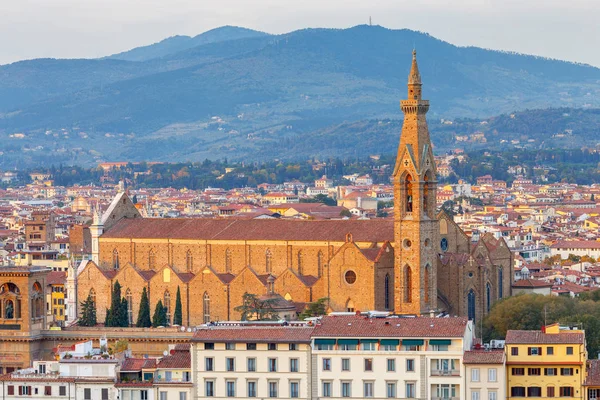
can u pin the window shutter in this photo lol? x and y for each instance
(529, 351)
(11, 390)
(539, 351)
(20, 390)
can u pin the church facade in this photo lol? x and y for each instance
(417, 263)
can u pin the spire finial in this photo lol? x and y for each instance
(414, 77)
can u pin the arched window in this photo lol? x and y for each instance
(37, 299)
(189, 261)
(471, 305)
(350, 305)
(426, 284)
(93, 296)
(425, 193)
(10, 301)
(488, 296)
(300, 263)
(268, 261)
(115, 259)
(407, 287)
(151, 259)
(206, 308)
(9, 309)
(500, 282)
(227, 260)
(386, 289)
(129, 299)
(319, 264)
(408, 192)
(167, 305)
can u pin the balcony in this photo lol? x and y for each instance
(445, 398)
(445, 372)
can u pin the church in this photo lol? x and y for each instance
(417, 263)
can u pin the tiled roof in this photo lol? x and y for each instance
(484, 357)
(132, 364)
(237, 229)
(531, 283)
(254, 334)
(593, 373)
(177, 359)
(576, 244)
(56, 278)
(360, 326)
(538, 337)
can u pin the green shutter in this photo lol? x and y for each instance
(325, 341)
(369, 340)
(390, 342)
(440, 342)
(412, 342)
(348, 341)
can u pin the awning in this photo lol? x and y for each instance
(325, 341)
(369, 340)
(440, 342)
(390, 342)
(348, 341)
(412, 342)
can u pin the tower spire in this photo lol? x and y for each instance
(414, 77)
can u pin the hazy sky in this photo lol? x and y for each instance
(564, 29)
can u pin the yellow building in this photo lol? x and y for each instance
(546, 364)
(56, 289)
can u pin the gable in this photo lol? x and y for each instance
(121, 207)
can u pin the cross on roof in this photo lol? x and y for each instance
(406, 163)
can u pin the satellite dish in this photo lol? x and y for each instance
(189, 329)
(183, 329)
(165, 353)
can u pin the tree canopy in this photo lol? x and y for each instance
(253, 308)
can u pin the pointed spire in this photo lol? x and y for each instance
(414, 77)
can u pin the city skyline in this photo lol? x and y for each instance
(69, 29)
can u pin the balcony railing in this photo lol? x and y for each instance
(445, 372)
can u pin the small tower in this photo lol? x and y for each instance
(416, 228)
(96, 229)
(72, 290)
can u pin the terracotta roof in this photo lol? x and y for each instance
(538, 337)
(177, 359)
(576, 244)
(531, 283)
(56, 278)
(240, 229)
(134, 384)
(360, 326)
(593, 373)
(132, 364)
(226, 278)
(254, 334)
(484, 357)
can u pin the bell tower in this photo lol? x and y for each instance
(416, 228)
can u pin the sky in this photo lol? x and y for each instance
(562, 29)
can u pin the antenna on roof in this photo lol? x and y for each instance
(370, 22)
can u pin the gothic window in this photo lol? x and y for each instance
(500, 282)
(319, 264)
(407, 288)
(350, 305)
(227, 260)
(206, 306)
(426, 284)
(93, 296)
(10, 301)
(115, 259)
(408, 192)
(471, 305)
(129, 299)
(268, 261)
(167, 305)
(151, 259)
(37, 299)
(386, 292)
(488, 296)
(189, 261)
(426, 194)
(300, 261)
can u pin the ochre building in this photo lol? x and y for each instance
(418, 262)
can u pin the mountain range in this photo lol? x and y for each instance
(239, 93)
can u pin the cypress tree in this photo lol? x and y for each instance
(115, 318)
(177, 316)
(143, 320)
(124, 313)
(88, 312)
(160, 315)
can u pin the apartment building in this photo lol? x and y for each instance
(358, 357)
(546, 364)
(247, 361)
(485, 374)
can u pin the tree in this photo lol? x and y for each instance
(88, 312)
(345, 213)
(117, 314)
(177, 315)
(160, 315)
(253, 308)
(315, 309)
(143, 320)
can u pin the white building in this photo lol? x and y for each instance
(485, 374)
(577, 247)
